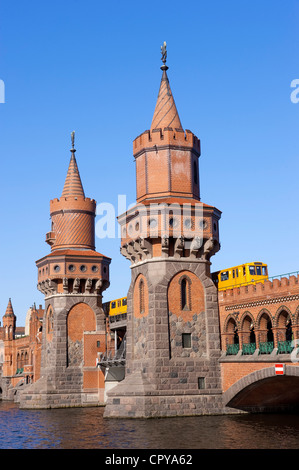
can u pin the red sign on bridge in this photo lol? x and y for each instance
(279, 369)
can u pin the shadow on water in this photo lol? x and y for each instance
(85, 428)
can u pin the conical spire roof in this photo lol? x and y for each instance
(73, 185)
(166, 114)
(9, 310)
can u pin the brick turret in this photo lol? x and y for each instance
(9, 322)
(166, 155)
(72, 278)
(72, 215)
(73, 265)
(169, 236)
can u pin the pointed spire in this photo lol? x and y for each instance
(73, 185)
(166, 114)
(9, 310)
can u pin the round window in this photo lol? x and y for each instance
(56, 268)
(72, 268)
(94, 269)
(83, 268)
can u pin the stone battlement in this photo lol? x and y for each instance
(166, 136)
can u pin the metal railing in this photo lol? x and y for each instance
(248, 348)
(232, 349)
(283, 347)
(266, 347)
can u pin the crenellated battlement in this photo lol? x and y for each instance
(72, 203)
(267, 288)
(166, 136)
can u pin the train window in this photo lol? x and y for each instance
(244, 271)
(224, 276)
(124, 301)
(252, 270)
(237, 272)
(119, 303)
(233, 274)
(113, 304)
(264, 268)
(259, 270)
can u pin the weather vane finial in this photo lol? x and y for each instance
(73, 141)
(164, 56)
(164, 53)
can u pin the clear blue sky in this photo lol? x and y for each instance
(94, 67)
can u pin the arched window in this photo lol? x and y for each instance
(185, 294)
(141, 296)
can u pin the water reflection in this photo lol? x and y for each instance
(85, 428)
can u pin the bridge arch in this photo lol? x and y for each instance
(264, 391)
(281, 316)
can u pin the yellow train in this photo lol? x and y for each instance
(116, 307)
(242, 275)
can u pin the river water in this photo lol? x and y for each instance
(85, 428)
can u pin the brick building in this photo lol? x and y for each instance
(20, 353)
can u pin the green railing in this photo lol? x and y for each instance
(285, 347)
(20, 371)
(232, 349)
(248, 348)
(266, 348)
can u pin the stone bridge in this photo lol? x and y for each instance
(260, 329)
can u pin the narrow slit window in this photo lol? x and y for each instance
(141, 296)
(184, 294)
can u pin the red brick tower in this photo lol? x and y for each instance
(72, 278)
(173, 340)
(9, 327)
(9, 322)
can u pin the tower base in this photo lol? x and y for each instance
(136, 397)
(43, 394)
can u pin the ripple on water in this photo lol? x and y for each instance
(85, 428)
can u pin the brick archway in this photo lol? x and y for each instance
(263, 390)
